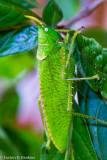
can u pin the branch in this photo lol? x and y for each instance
(83, 13)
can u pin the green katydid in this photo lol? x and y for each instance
(56, 92)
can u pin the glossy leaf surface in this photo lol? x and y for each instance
(11, 14)
(93, 105)
(52, 14)
(18, 41)
(24, 3)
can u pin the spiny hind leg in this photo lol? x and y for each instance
(70, 30)
(77, 114)
(69, 61)
(83, 78)
(69, 66)
(48, 143)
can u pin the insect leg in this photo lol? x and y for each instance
(69, 66)
(71, 50)
(89, 117)
(48, 143)
(69, 53)
(69, 30)
(71, 46)
(69, 151)
(83, 78)
(35, 19)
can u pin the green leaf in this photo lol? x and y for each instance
(52, 14)
(90, 62)
(11, 14)
(82, 143)
(19, 143)
(93, 105)
(6, 146)
(24, 3)
(99, 34)
(25, 141)
(102, 130)
(19, 41)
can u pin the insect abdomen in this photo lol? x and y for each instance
(54, 94)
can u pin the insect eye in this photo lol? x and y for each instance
(46, 29)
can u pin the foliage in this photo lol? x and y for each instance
(49, 16)
(19, 36)
(18, 41)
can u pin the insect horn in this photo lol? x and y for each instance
(35, 19)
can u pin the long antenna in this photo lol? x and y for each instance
(38, 21)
